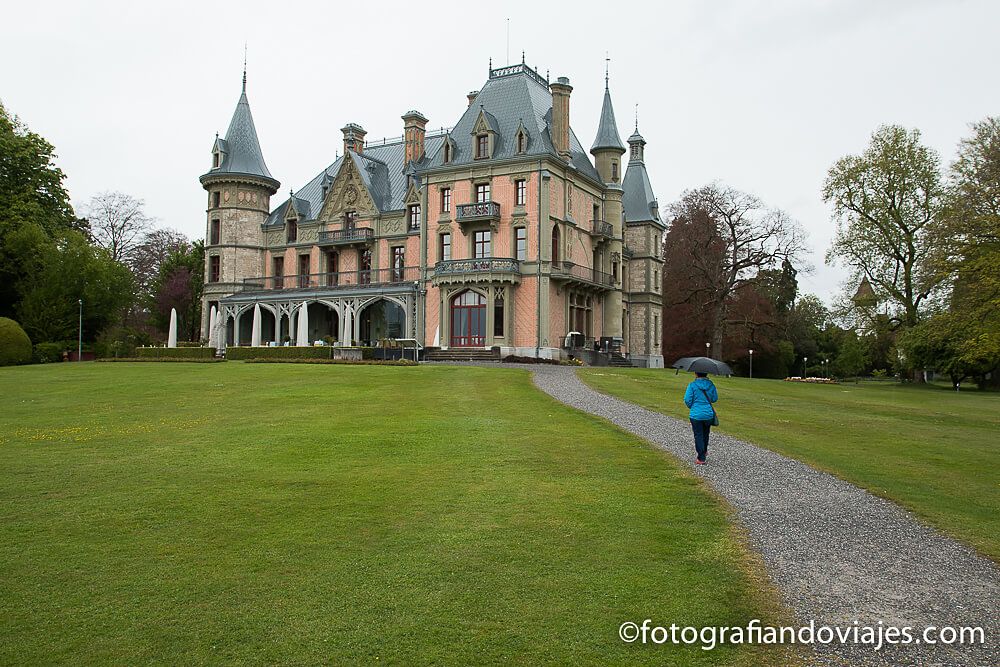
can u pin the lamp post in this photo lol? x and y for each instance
(826, 362)
(751, 364)
(805, 360)
(79, 335)
(708, 350)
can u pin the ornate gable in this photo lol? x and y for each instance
(347, 192)
(412, 195)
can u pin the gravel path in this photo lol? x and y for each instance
(838, 554)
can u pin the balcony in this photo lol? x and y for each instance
(484, 270)
(351, 236)
(333, 281)
(568, 272)
(603, 230)
(488, 211)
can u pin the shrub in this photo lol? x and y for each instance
(15, 346)
(119, 342)
(244, 353)
(186, 360)
(512, 359)
(48, 353)
(146, 353)
(343, 362)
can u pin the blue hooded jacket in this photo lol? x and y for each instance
(694, 398)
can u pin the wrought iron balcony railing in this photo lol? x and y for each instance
(338, 280)
(486, 264)
(347, 236)
(605, 229)
(488, 210)
(571, 271)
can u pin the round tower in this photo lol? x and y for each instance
(239, 188)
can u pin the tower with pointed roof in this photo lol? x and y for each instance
(607, 151)
(644, 237)
(239, 188)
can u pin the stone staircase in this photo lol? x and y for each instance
(462, 354)
(618, 361)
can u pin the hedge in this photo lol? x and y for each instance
(312, 352)
(175, 352)
(188, 360)
(343, 362)
(15, 346)
(48, 353)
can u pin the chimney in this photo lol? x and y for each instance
(472, 96)
(354, 138)
(414, 128)
(560, 115)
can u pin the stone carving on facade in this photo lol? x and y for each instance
(347, 193)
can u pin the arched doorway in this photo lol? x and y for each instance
(381, 319)
(468, 320)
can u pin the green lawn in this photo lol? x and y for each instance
(934, 451)
(270, 513)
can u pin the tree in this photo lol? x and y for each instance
(179, 285)
(34, 206)
(887, 202)
(69, 270)
(118, 223)
(726, 237)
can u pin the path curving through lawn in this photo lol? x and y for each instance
(838, 554)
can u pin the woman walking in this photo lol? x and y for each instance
(700, 395)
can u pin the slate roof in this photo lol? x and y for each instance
(381, 169)
(519, 98)
(607, 130)
(242, 154)
(638, 200)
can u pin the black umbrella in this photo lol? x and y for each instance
(702, 365)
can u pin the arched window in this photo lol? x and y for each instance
(468, 320)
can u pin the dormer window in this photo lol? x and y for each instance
(447, 151)
(216, 160)
(482, 146)
(413, 215)
(521, 139)
(292, 227)
(520, 143)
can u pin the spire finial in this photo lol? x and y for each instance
(637, 117)
(522, 56)
(607, 66)
(244, 68)
(491, 63)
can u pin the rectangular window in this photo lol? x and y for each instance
(445, 200)
(278, 270)
(214, 269)
(215, 232)
(521, 243)
(482, 193)
(656, 328)
(444, 251)
(498, 317)
(216, 197)
(215, 160)
(292, 227)
(303, 270)
(481, 245)
(349, 219)
(597, 212)
(398, 262)
(520, 192)
(414, 217)
(614, 172)
(364, 266)
(482, 146)
(332, 269)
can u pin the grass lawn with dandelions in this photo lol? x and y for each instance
(268, 513)
(932, 450)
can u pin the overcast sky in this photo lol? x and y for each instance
(763, 96)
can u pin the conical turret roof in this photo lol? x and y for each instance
(607, 129)
(241, 148)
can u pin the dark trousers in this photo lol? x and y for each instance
(701, 428)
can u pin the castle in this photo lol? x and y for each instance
(499, 235)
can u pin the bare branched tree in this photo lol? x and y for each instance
(725, 237)
(117, 222)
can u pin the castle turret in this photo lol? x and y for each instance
(607, 151)
(239, 188)
(644, 237)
